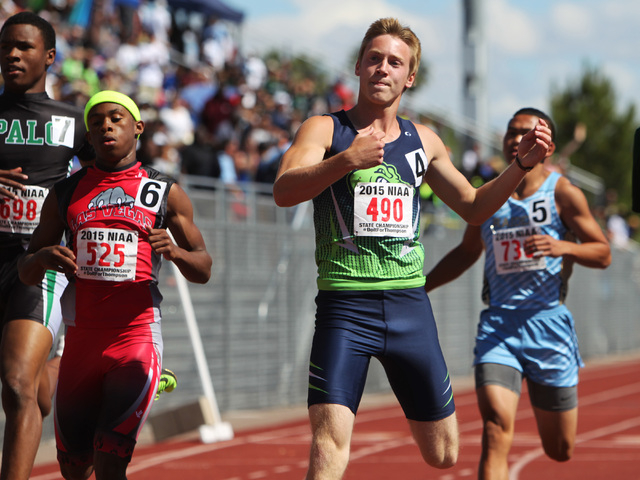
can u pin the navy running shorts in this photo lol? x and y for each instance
(396, 327)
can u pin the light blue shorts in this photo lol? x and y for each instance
(543, 345)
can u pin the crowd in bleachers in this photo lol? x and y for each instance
(209, 108)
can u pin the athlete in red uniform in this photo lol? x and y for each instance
(115, 216)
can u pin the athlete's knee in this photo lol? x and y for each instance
(327, 459)
(445, 458)
(74, 466)
(559, 456)
(327, 449)
(561, 450)
(108, 466)
(329, 455)
(443, 452)
(18, 389)
(44, 401)
(76, 472)
(496, 434)
(494, 428)
(438, 441)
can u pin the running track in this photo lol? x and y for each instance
(382, 448)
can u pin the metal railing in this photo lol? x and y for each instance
(256, 315)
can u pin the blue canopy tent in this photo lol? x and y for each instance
(214, 8)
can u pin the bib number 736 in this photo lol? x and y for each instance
(509, 254)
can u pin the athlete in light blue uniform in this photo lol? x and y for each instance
(362, 168)
(527, 331)
(539, 338)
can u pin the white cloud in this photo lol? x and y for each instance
(509, 28)
(625, 79)
(617, 10)
(573, 20)
(530, 45)
(332, 29)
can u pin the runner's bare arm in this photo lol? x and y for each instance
(475, 205)
(190, 254)
(593, 249)
(45, 252)
(458, 260)
(304, 172)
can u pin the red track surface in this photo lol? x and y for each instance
(382, 448)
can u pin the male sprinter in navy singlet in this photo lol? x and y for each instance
(527, 331)
(362, 169)
(39, 138)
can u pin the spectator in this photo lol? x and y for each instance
(471, 160)
(199, 158)
(156, 19)
(217, 114)
(270, 158)
(177, 120)
(618, 232)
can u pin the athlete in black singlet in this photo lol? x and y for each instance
(39, 138)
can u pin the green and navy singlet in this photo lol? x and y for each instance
(367, 223)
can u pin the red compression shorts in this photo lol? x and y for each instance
(106, 387)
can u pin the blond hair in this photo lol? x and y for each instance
(391, 26)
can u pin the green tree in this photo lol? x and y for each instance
(606, 152)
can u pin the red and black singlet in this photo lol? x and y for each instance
(106, 215)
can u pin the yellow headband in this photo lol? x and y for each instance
(109, 96)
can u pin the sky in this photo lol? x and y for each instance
(532, 48)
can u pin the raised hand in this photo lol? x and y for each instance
(534, 144)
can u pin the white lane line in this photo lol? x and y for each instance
(150, 460)
(527, 458)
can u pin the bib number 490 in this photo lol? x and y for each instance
(387, 209)
(383, 210)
